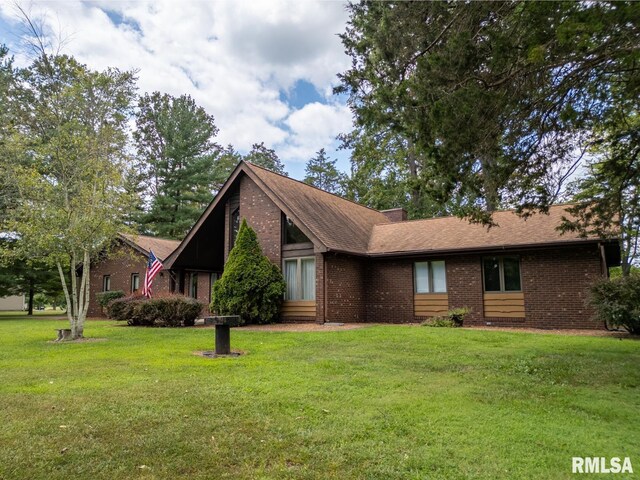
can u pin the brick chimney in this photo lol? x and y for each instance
(395, 214)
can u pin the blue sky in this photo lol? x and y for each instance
(265, 70)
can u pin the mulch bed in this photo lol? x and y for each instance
(544, 331)
(212, 354)
(314, 327)
(303, 327)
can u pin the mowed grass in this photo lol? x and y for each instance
(384, 402)
(49, 312)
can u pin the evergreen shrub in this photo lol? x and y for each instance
(250, 286)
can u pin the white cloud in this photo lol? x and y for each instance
(233, 57)
(313, 127)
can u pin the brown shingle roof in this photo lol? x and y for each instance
(337, 223)
(161, 247)
(451, 233)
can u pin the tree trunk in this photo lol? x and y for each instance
(489, 183)
(31, 294)
(67, 297)
(625, 266)
(415, 194)
(83, 297)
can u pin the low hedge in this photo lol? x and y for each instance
(104, 298)
(167, 311)
(122, 308)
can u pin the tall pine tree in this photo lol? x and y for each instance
(492, 98)
(265, 157)
(177, 152)
(322, 173)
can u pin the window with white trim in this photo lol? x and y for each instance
(300, 276)
(430, 277)
(135, 282)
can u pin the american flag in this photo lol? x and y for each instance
(153, 267)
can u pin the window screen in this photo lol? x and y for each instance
(308, 277)
(430, 277)
(291, 277)
(422, 277)
(511, 268)
(492, 274)
(439, 277)
(300, 275)
(501, 274)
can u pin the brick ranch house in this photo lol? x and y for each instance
(123, 268)
(344, 262)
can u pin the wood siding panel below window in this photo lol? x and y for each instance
(298, 308)
(504, 305)
(430, 304)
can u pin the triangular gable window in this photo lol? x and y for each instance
(292, 234)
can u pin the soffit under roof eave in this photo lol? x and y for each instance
(171, 259)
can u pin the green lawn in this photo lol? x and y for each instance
(49, 312)
(386, 402)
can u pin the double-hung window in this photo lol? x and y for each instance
(501, 274)
(300, 276)
(135, 282)
(106, 283)
(430, 277)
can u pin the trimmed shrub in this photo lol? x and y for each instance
(617, 302)
(250, 286)
(453, 318)
(122, 308)
(169, 311)
(105, 297)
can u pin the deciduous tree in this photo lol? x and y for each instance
(71, 201)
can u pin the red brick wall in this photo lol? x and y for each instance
(263, 216)
(396, 214)
(345, 290)
(464, 285)
(320, 286)
(389, 286)
(556, 283)
(556, 286)
(204, 289)
(121, 263)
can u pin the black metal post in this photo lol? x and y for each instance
(223, 340)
